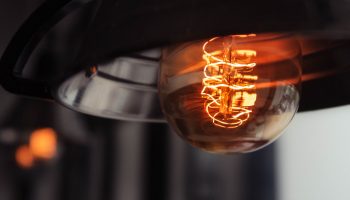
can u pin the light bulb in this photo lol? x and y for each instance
(231, 94)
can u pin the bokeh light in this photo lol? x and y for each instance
(24, 157)
(43, 143)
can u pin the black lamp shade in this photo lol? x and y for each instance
(123, 28)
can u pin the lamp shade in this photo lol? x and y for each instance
(115, 72)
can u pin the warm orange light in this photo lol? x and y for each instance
(231, 94)
(24, 157)
(43, 143)
(228, 84)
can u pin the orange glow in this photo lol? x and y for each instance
(24, 157)
(43, 143)
(246, 35)
(227, 84)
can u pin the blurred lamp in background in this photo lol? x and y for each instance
(24, 157)
(43, 143)
(42, 146)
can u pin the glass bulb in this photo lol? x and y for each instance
(231, 94)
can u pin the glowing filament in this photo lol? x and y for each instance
(228, 88)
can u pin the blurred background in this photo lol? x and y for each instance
(48, 152)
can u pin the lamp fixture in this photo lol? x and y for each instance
(223, 87)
